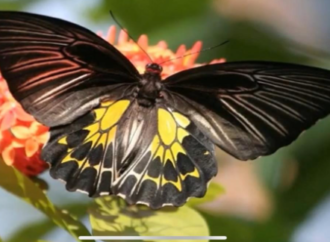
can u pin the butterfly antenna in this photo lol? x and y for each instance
(122, 28)
(197, 52)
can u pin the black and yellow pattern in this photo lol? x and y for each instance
(168, 166)
(116, 131)
(177, 164)
(82, 153)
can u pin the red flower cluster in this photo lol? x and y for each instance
(21, 137)
(159, 53)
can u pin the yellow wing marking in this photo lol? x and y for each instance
(168, 156)
(194, 173)
(171, 127)
(92, 139)
(112, 134)
(182, 134)
(63, 141)
(68, 157)
(154, 144)
(99, 113)
(106, 116)
(181, 120)
(106, 103)
(176, 149)
(154, 179)
(114, 113)
(176, 183)
(160, 153)
(166, 126)
(102, 140)
(93, 129)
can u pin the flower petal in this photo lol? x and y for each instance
(21, 132)
(31, 147)
(5, 108)
(162, 44)
(143, 41)
(34, 127)
(123, 37)
(8, 155)
(190, 59)
(22, 115)
(180, 51)
(221, 60)
(5, 139)
(43, 138)
(111, 36)
(8, 121)
(17, 143)
(29, 166)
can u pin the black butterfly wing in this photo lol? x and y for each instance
(102, 142)
(174, 161)
(58, 70)
(154, 156)
(250, 109)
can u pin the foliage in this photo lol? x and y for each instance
(213, 191)
(107, 215)
(17, 5)
(111, 216)
(39, 229)
(18, 184)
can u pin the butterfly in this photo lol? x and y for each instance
(114, 131)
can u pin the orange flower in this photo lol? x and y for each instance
(22, 137)
(159, 53)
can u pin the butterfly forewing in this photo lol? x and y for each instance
(250, 109)
(56, 69)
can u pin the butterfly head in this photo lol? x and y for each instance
(150, 86)
(153, 68)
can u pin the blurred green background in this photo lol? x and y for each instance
(280, 198)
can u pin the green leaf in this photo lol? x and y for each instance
(112, 217)
(213, 191)
(18, 184)
(35, 230)
(1, 240)
(40, 228)
(17, 5)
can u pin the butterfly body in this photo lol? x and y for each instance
(114, 131)
(150, 86)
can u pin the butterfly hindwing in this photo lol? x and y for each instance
(175, 162)
(83, 153)
(153, 156)
(56, 69)
(250, 109)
